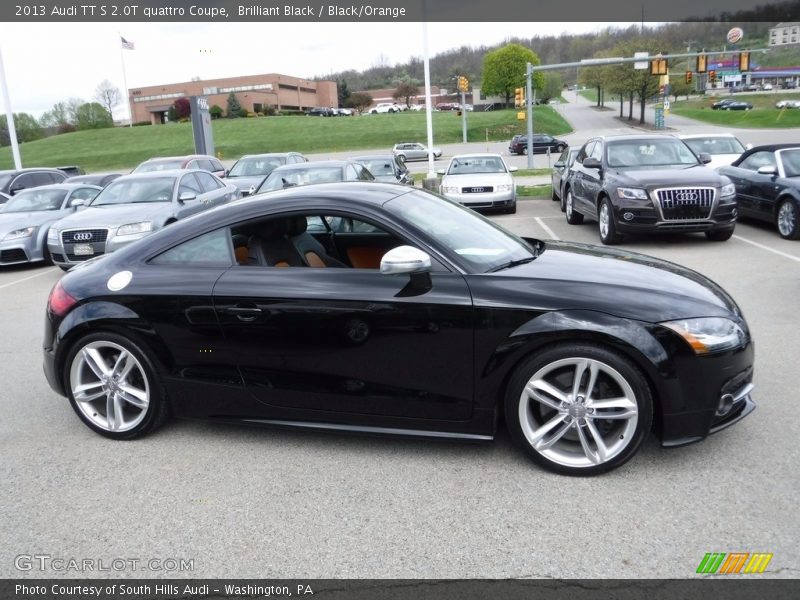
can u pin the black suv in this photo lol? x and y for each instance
(541, 143)
(12, 182)
(321, 111)
(647, 183)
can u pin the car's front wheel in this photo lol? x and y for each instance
(579, 409)
(606, 224)
(113, 386)
(573, 217)
(787, 220)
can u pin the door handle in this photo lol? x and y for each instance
(244, 313)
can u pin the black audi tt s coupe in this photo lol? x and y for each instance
(379, 308)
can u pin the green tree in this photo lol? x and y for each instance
(26, 127)
(215, 111)
(406, 91)
(505, 69)
(636, 83)
(56, 117)
(679, 87)
(552, 86)
(234, 108)
(343, 92)
(92, 115)
(359, 100)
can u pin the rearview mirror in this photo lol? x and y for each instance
(440, 171)
(513, 169)
(768, 170)
(592, 163)
(748, 146)
(405, 260)
(559, 164)
(76, 202)
(704, 157)
(184, 196)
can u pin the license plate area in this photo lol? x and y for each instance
(83, 250)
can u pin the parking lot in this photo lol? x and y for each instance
(262, 503)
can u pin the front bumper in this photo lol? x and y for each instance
(62, 256)
(632, 216)
(484, 200)
(19, 251)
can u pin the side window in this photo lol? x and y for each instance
(83, 194)
(56, 177)
(189, 185)
(585, 151)
(192, 164)
(364, 174)
(42, 178)
(757, 160)
(352, 174)
(209, 250)
(597, 151)
(216, 166)
(24, 181)
(207, 182)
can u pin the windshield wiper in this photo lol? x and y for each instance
(513, 263)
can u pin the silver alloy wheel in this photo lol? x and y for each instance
(578, 412)
(109, 386)
(787, 218)
(603, 220)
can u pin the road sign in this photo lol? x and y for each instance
(643, 64)
(735, 35)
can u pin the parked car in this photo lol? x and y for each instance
(344, 112)
(767, 87)
(16, 180)
(720, 104)
(250, 170)
(385, 107)
(101, 179)
(767, 180)
(387, 168)
(133, 207)
(3, 199)
(72, 170)
(480, 181)
(322, 171)
(753, 87)
(26, 218)
(451, 322)
(414, 151)
(321, 111)
(787, 104)
(562, 169)
(513, 141)
(541, 143)
(737, 106)
(723, 148)
(648, 184)
(193, 161)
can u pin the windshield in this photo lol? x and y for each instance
(35, 200)
(476, 164)
(665, 152)
(159, 165)
(4, 179)
(715, 145)
(292, 177)
(478, 243)
(133, 191)
(378, 166)
(791, 162)
(255, 166)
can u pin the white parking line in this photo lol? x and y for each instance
(10, 283)
(767, 248)
(546, 228)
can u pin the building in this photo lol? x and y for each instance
(784, 34)
(254, 93)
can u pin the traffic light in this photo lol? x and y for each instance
(463, 83)
(744, 61)
(702, 63)
(658, 66)
(519, 97)
(712, 76)
(688, 77)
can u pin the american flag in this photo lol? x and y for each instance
(126, 44)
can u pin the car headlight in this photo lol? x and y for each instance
(708, 334)
(135, 228)
(449, 189)
(727, 190)
(504, 187)
(632, 193)
(52, 235)
(19, 233)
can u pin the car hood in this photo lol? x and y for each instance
(477, 179)
(243, 183)
(699, 175)
(119, 214)
(569, 275)
(12, 221)
(386, 178)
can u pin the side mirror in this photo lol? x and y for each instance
(15, 189)
(249, 191)
(440, 171)
(76, 202)
(405, 260)
(559, 164)
(185, 196)
(401, 159)
(592, 163)
(513, 169)
(748, 146)
(768, 170)
(226, 173)
(704, 157)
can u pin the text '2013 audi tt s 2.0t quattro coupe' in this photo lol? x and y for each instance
(376, 308)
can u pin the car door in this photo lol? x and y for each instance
(315, 343)
(194, 201)
(214, 191)
(750, 184)
(592, 182)
(580, 176)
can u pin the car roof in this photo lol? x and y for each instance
(313, 165)
(157, 174)
(187, 157)
(633, 137)
(693, 136)
(67, 187)
(385, 155)
(478, 155)
(268, 155)
(771, 148)
(31, 169)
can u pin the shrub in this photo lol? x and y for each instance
(215, 111)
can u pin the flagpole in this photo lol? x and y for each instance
(12, 132)
(125, 80)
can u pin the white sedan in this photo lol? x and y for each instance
(480, 181)
(724, 148)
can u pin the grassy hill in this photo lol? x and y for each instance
(123, 148)
(763, 114)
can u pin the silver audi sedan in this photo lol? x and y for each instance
(132, 207)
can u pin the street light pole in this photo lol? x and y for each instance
(528, 102)
(12, 131)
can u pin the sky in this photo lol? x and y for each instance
(47, 63)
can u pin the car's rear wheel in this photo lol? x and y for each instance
(573, 217)
(720, 235)
(579, 409)
(606, 224)
(560, 148)
(113, 386)
(787, 220)
(553, 196)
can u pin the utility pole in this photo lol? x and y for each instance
(529, 103)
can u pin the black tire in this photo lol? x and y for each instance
(48, 258)
(143, 376)
(553, 196)
(607, 227)
(560, 148)
(720, 235)
(557, 364)
(511, 210)
(563, 202)
(787, 219)
(573, 216)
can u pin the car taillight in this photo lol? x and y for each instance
(60, 301)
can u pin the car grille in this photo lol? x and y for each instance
(477, 190)
(96, 238)
(681, 204)
(13, 255)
